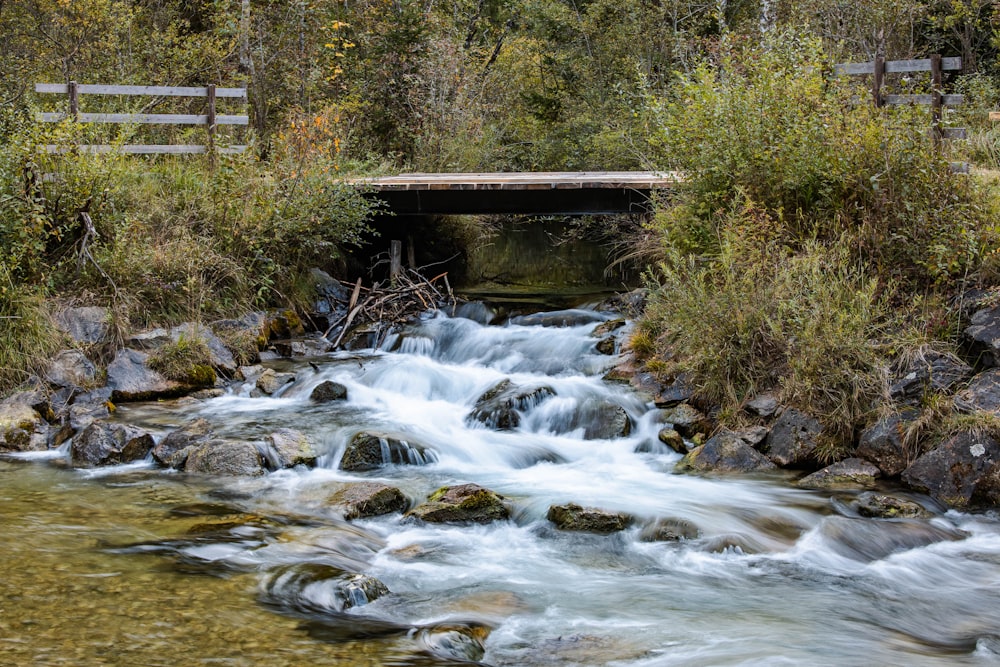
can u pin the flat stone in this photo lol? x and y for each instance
(292, 448)
(102, 444)
(89, 407)
(883, 506)
(221, 358)
(679, 391)
(982, 394)
(725, 452)
(849, 473)
(763, 405)
(131, 379)
(587, 519)
(87, 325)
(226, 458)
(605, 328)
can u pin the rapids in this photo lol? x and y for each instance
(135, 565)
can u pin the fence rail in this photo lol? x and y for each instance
(211, 120)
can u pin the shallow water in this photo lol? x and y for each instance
(135, 565)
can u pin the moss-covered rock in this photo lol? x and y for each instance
(466, 503)
(587, 519)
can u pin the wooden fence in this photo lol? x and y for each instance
(210, 119)
(937, 100)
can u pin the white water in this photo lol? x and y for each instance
(779, 576)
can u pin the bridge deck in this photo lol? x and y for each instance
(529, 193)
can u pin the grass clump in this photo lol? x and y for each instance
(187, 359)
(28, 339)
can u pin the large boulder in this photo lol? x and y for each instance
(793, 439)
(327, 391)
(883, 444)
(87, 325)
(501, 405)
(725, 451)
(957, 470)
(226, 458)
(849, 473)
(982, 394)
(291, 448)
(982, 337)
(370, 451)
(174, 448)
(102, 444)
(366, 499)
(587, 519)
(131, 379)
(22, 428)
(466, 503)
(599, 419)
(71, 368)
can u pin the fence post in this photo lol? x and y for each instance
(74, 100)
(878, 79)
(211, 123)
(936, 100)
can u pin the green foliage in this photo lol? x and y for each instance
(27, 337)
(187, 359)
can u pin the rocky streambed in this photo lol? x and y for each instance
(479, 488)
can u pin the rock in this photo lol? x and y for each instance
(270, 381)
(366, 499)
(931, 371)
(90, 407)
(131, 379)
(679, 391)
(225, 457)
(725, 452)
(207, 394)
(22, 429)
(283, 325)
(982, 337)
(466, 503)
(866, 540)
(605, 328)
(673, 440)
(87, 325)
(843, 474)
(221, 358)
(303, 347)
(763, 405)
(982, 394)
(188, 436)
(320, 588)
(587, 519)
(793, 439)
(631, 304)
(71, 368)
(153, 339)
(558, 318)
(500, 406)
(600, 420)
(250, 325)
(669, 530)
(607, 345)
(753, 435)
(102, 444)
(882, 506)
(291, 448)
(687, 420)
(951, 471)
(327, 391)
(369, 451)
(882, 443)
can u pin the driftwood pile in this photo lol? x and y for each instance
(406, 296)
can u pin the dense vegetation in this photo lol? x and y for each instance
(815, 239)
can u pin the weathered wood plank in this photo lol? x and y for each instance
(954, 133)
(144, 149)
(947, 100)
(145, 118)
(158, 91)
(520, 181)
(897, 66)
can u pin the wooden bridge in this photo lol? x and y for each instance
(523, 193)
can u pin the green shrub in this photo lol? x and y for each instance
(28, 338)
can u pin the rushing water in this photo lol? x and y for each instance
(135, 565)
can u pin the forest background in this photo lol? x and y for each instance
(816, 241)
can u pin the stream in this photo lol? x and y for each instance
(135, 565)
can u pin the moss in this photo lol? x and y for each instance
(201, 375)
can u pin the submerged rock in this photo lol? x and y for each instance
(725, 451)
(843, 474)
(103, 444)
(602, 420)
(866, 540)
(882, 506)
(370, 451)
(466, 503)
(366, 499)
(499, 406)
(793, 439)
(882, 443)
(318, 587)
(957, 470)
(226, 458)
(669, 530)
(327, 391)
(587, 519)
(291, 448)
(558, 318)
